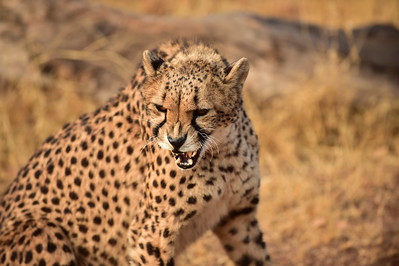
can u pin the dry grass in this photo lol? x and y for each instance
(330, 158)
(329, 149)
(333, 13)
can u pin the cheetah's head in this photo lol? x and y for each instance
(190, 97)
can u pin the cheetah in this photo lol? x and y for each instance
(135, 182)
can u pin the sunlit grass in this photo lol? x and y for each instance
(330, 166)
(333, 13)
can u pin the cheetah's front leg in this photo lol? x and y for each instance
(151, 243)
(242, 238)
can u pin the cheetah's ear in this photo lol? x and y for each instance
(151, 62)
(237, 72)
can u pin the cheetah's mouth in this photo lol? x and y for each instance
(186, 160)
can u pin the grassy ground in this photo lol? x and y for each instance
(329, 153)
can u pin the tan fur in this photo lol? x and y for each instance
(106, 190)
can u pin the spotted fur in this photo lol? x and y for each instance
(106, 189)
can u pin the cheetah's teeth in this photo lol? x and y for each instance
(186, 160)
(191, 154)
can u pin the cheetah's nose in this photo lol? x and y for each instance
(177, 142)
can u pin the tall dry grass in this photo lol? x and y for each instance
(329, 150)
(331, 167)
(333, 13)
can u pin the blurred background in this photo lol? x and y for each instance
(322, 94)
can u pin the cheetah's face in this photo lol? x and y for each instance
(189, 101)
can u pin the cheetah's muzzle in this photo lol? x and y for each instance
(186, 160)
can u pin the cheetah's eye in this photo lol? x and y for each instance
(160, 108)
(200, 112)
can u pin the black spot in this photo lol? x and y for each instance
(190, 215)
(171, 262)
(14, 256)
(39, 248)
(115, 145)
(88, 130)
(111, 222)
(207, 197)
(129, 150)
(159, 160)
(47, 153)
(150, 248)
(178, 212)
(44, 189)
(127, 167)
(155, 183)
(28, 257)
(126, 200)
(255, 201)
(97, 220)
(83, 251)
(243, 211)
(158, 199)
(143, 259)
(83, 228)
(166, 233)
(244, 261)
(85, 162)
(254, 223)
(172, 202)
(112, 241)
(37, 232)
(100, 154)
(172, 173)
(46, 209)
(191, 185)
(102, 173)
(67, 171)
(59, 236)
(259, 241)
(21, 240)
(42, 262)
(77, 181)
(50, 168)
(37, 174)
(51, 247)
(192, 200)
(73, 195)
